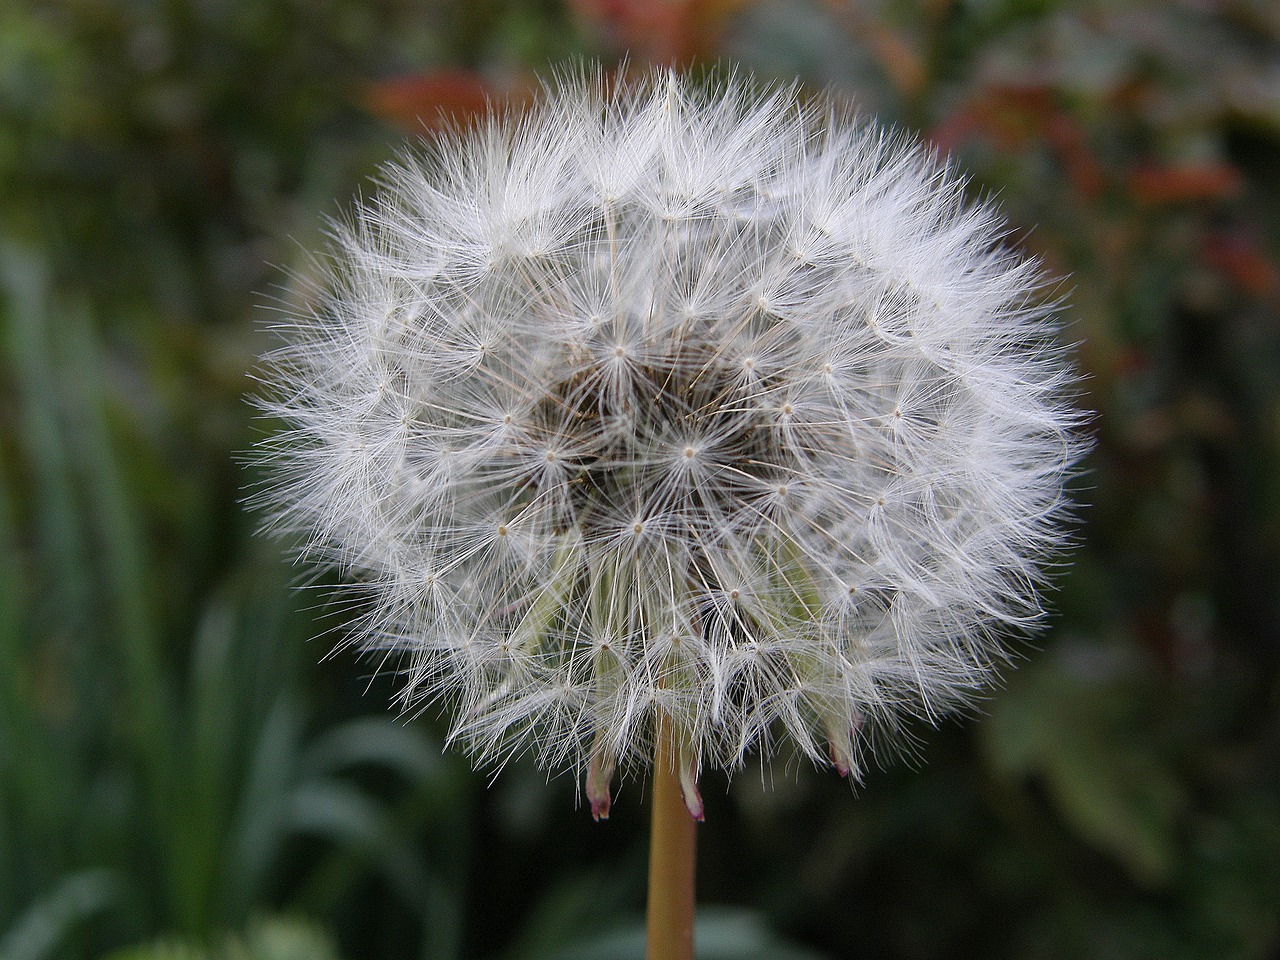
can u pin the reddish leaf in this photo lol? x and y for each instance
(433, 98)
(1010, 116)
(1070, 141)
(659, 31)
(1240, 260)
(1155, 184)
(901, 61)
(1014, 116)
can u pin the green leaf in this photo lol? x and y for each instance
(259, 829)
(1067, 722)
(720, 934)
(376, 741)
(354, 820)
(282, 939)
(41, 931)
(275, 939)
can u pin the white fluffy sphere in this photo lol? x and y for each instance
(683, 398)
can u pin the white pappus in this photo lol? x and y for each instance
(680, 396)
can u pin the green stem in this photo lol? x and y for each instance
(672, 846)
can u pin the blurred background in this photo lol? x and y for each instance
(181, 778)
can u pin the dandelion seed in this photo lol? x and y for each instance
(594, 404)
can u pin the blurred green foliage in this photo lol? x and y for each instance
(271, 940)
(175, 767)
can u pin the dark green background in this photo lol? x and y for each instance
(178, 777)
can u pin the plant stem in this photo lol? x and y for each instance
(672, 845)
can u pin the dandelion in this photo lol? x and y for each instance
(693, 418)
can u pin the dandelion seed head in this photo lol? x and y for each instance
(677, 397)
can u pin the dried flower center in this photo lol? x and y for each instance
(626, 440)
